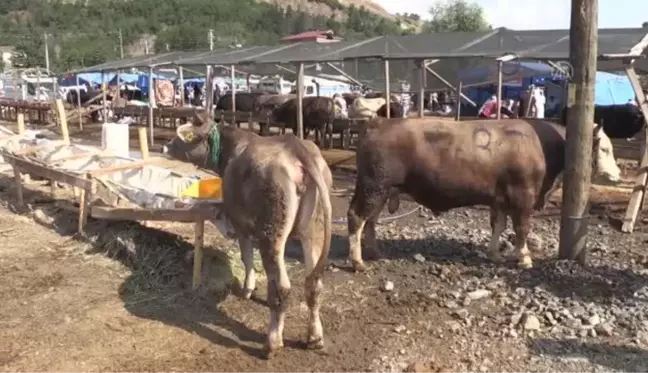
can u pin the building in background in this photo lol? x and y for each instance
(326, 36)
(6, 53)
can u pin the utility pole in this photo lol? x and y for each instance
(121, 45)
(583, 52)
(146, 46)
(211, 39)
(47, 61)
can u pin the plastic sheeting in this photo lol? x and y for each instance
(612, 89)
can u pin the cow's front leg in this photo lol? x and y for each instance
(370, 242)
(498, 224)
(247, 256)
(522, 225)
(366, 203)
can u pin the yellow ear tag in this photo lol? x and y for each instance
(189, 136)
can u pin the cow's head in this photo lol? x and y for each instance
(603, 162)
(198, 142)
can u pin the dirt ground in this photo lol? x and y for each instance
(119, 298)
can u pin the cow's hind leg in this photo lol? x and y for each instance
(311, 221)
(247, 256)
(365, 205)
(522, 225)
(280, 213)
(498, 224)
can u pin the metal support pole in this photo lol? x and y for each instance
(182, 85)
(151, 101)
(583, 39)
(499, 89)
(78, 89)
(233, 81)
(421, 98)
(300, 99)
(104, 96)
(387, 89)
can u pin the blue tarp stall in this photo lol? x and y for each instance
(517, 74)
(142, 80)
(84, 78)
(612, 89)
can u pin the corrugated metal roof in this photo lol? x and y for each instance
(533, 44)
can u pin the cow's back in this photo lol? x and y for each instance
(444, 164)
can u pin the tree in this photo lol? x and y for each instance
(645, 25)
(456, 15)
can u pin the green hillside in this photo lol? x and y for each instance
(84, 33)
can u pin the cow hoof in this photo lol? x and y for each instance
(358, 266)
(271, 351)
(247, 293)
(373, 254)
(526, 263)
(315, 344)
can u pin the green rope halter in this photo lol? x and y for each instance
(215, 148)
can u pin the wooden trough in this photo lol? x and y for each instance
(78, 166)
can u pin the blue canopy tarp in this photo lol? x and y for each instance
(84, 78)
(612, 89)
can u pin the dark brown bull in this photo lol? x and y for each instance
(266, 103)
(509, 165)
(273, 188)
(318, 115)
(244, 101)
(395, 110)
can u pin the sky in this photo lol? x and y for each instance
(536, 14)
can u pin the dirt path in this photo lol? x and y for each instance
(120, 300)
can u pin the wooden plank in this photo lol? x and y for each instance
(199, 234)
(127, 166)
(28, 167)
(179, 215)
(639, 190)
(72, 157)
(36, 148)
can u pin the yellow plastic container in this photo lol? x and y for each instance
(210, 188)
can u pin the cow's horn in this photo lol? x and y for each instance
(183, 128)
(202, 121)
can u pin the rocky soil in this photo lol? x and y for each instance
(121, 300)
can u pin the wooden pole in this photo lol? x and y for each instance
(387, 89)
(583, 40)
(639, 191)
(421, 98)
(65, 133)
(21, 123)
(144, 148)
(499, 89)
(300, 99)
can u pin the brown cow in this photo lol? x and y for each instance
(273, 188)
(318, 115)
(509, 165)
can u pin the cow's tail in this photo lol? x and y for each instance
(311, 168)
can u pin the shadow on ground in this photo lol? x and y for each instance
(621, 358)
(159, 284)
